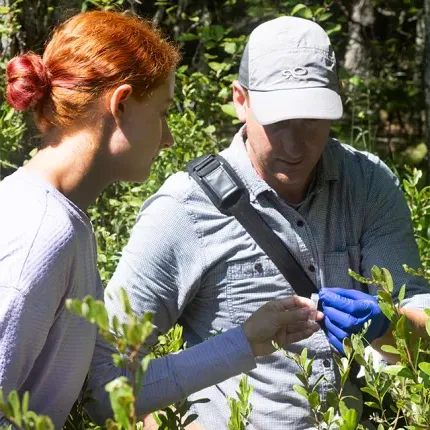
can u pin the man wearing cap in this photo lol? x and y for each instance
(333, 207)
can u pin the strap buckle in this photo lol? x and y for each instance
(221, 183)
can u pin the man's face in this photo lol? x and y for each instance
(285, 153)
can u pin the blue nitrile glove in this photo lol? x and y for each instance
(346, 311)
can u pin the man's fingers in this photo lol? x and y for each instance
(296, 302)
(335, 342)
(358, 308)
(343, 320)
(338, 332)
(350, 294)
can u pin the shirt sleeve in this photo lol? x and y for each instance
(24, 328)
(29, 307)
(173, 377)
(388, 238)
(161, 266)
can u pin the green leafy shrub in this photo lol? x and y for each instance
(406, 383)
(240, 409)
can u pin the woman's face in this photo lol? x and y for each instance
(143, 132)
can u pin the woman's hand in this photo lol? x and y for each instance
(284, 321)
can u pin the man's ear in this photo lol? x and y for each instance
(240, 100)
(117, 100)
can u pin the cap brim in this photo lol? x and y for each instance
(314, 103)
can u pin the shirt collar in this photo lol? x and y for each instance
(237, 155)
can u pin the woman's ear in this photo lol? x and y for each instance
(117, 101)
(240, 100)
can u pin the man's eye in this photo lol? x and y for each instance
(310, 123)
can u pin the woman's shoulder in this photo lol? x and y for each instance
(38, 235)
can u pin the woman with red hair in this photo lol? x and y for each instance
(100, 95)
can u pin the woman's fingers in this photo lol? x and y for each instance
(286, 337)
(302, 314)
(296, 302)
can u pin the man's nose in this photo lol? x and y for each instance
(293, 141)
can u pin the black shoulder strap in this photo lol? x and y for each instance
(228, 193)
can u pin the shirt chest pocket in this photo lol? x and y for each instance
(336, 265)
(252, 283)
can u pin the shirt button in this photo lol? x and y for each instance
(258, 267)
(300, 223)
(326, 363)
(311, 268)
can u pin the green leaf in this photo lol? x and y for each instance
(314, 399)
(376, 273)
(332, 399)
(343, 409)
(304, 357)
(329, 415)
(297, 8)
(428, 326)
(425, 367)
(373, 405)
(199, 401)
(16, 407)
(388, 279)
(230, 48)
(350, 419)
(300, 390)
(318, 381)
(191, 418)
(371, 391)
(393, 370)
(302, 11)
(125, 302)
(387, 310)
(357, 344)
(401, 328)
(385, 296)
(324, 16)
(10, 114)
(347, 347)
(85, 309)
(336, 28)
(214, 65)
(390, 349)
(229, 109)
(25, 402)
(402, 293)
(302, 378)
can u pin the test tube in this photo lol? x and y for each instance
(314, 298)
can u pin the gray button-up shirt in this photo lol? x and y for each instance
(187, 262)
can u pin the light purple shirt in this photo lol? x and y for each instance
(48, 254)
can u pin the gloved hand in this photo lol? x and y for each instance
(346, 311)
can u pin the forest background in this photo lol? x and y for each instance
(383, 52)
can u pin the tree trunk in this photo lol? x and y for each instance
(357, 58)
(426, 75)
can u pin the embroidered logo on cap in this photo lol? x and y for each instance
(296, 73)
